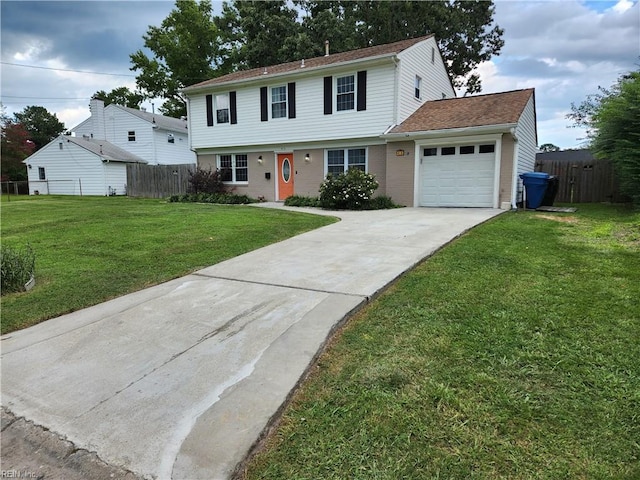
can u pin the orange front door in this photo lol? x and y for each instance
(285, 175)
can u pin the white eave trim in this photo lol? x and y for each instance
(449, 132)
(300, 71)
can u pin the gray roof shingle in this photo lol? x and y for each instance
(104, 149)
(166, 123)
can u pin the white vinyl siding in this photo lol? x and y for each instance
(310, 123)
(527, 141)
(415, 62)
(74, 171)
(150, 143)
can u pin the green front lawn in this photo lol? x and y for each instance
(512, 353)
(90, 249)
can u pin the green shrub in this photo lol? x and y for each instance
(17, 268)
(222, 198)
(301, 201)
(381, 202)
(347, 191)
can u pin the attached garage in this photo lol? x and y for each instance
(458, 176)
(467, 152)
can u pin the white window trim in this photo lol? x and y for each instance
(346, 158)
(417, 85)
(233, 168)
(355, 93)
(286, 102)
(215, 108)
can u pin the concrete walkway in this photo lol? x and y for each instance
(178, 381)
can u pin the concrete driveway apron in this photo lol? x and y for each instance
(178, 381)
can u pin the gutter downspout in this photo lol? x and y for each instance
(514, 182)
(396, 88)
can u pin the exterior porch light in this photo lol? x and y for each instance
(307, 158)
(260, 160)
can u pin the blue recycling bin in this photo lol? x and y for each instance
(535, 185)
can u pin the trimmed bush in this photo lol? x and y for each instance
(347, 191)
(17, 268)
(302, 201)
(220, 198)
(381, 202)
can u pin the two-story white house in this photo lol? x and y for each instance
(93, 160)
(390, 110)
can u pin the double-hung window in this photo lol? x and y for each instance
(222, 108)
(417, 84)
(234, 168)
(41, 173)
(341, 160)
(279, 102)
(346, 89)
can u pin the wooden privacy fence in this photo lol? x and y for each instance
(583, 181)
(157, 181)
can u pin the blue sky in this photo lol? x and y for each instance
(563, 48)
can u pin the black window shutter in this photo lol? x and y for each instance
(291, 98)
(362, 90)
(232, 107)
(264, 108)
(209, 100)
(328, 95)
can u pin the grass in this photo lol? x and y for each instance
(91, 249)
(512, 353)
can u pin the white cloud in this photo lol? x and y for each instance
(622, 6)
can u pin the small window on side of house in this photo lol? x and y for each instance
(430, 152)
(448, 151)
(41, 173)
(433, 55)
(489, 148)
(171, 138)
(131, 135)
(417, 85)
(468, 150)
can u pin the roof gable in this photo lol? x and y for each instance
(326, 61)
(161, 121)
(475, 111)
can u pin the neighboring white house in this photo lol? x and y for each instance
(79, 166)
(279, 130)
(93, 161)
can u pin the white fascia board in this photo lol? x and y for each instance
(300, 72)
(438, 135)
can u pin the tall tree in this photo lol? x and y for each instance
(15, 146)
(192, 46)
(41, 125)
(465, 30)
(612, 118)
(121, 96)
(186, 50)
(549, 147)
(261, 33)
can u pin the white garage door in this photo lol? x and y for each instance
(457, 176)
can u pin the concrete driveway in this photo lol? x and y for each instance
(178, 381)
